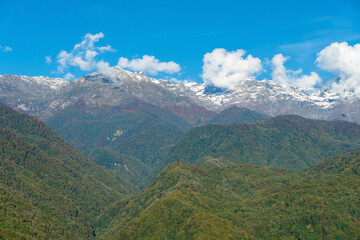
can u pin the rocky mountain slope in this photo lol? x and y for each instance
(192, 101)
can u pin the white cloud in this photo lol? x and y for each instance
(69, 76)
(285, 76)
(227, 69)
(90, 54)
(149, 64)
(89, 40)
(48, 59)
(83, 55)
(5, 48)
(107, 48)
(104, 67)
(343, 61)
(85, 65)
(279, 72)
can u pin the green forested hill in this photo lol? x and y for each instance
(242, 202)
(236, 114)
(112, 135)
(290, 142)
(48, 190)
(132, 138)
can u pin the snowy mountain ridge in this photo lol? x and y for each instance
(44, 95)
(53, 83)
(248, 90)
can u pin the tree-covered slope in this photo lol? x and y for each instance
(134, 132)
(236, 114)
(48, 190)
(290, 142)
(87, 127)
(242, 202)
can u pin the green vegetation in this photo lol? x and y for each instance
(289, 142)
(48, 190)
(135, 134)
(242, 202)
(127, 167)
(237, 114)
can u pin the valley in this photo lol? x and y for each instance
(132, 157)
(179, 120)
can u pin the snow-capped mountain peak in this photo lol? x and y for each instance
(117, 85)
(53, 83)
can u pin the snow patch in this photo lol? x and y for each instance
(22, 107)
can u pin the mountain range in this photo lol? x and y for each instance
(144, 158)
(129, 122)
(195, 102)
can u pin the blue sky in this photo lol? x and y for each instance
(179, 31)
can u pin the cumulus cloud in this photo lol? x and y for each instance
(84, 54)
(69, 76)
(104, 67)
(48, 59)
(89, 40)
(343, 61)
(149, 64)
(285, 76)
(226, 69)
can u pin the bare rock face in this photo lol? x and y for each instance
(195, 102)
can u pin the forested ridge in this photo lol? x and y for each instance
(289, 142)
(243, 202)
(48, 189)
(276, 178)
